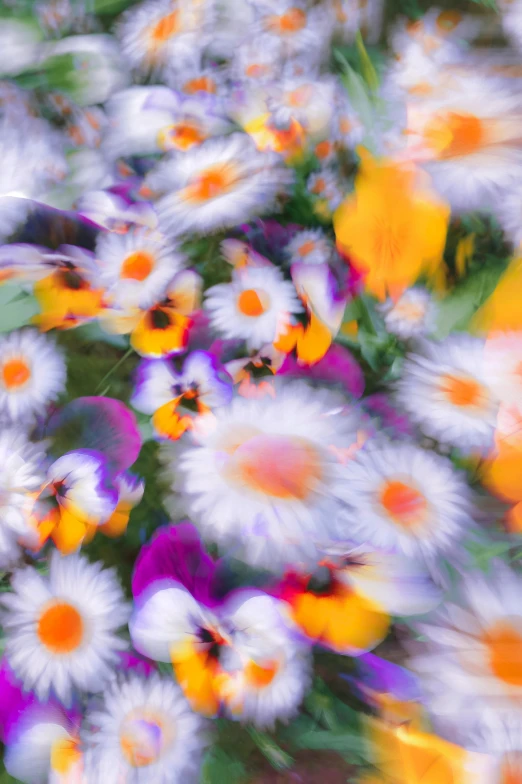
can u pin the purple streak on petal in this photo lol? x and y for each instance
(338, 366)
(175, 552)
(103, 472)
(386, 678)
(131, 661)
(102, 424)
(227, 350)
(379, 405)
(200, 335)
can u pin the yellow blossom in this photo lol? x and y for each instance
(393, 228)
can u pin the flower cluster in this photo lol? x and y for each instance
(260, 391)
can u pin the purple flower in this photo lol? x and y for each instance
(338, 366)
(175, 553)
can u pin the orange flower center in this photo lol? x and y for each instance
(306, 248)
(60, 628)
(453, 135)
(15, 373)
(165, 28)
(403, 503)
(462, 391)
(300, 96)
(411, 311)
(259, 676)
(318, 186)
(137, 266)
(448, 21)
(504, 646)
(251, 302)
(511, 769)
(141, 739)
(255, 70)
(202, 84)
(291, 22)
(323, 149)
(210, 184)
(182, 136)
(283, 467)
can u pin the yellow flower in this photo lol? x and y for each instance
(502, 310)
(393, 228)
(407, 756)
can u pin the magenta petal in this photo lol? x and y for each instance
(338, 366)
(13, 700)
(101, 424)
(175, 553)
(131, 661)
(17, 704)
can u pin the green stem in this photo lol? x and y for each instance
(114, 368)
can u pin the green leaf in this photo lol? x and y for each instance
(278, 758)
(367, 67)
(457, 309)
(219, 767)
(342, 740)
(109, 6)
(361, 101)
(92, 332)
(17, 308)
(371, 348)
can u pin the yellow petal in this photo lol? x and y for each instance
(502, 474)
(514, 519)
(313, 344)
(117, 524)
(196, 673)
(69, 533)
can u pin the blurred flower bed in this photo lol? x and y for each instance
(260, 392)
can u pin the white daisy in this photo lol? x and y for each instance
(147, 120)
(468, 140)
(310, 246)
(264, 479)
(309, 101)
(257, 60)
(471, 662)
(433, 30)
(503, 357)
(405, 499)
(446, 389)
(413, 314)
(221, 183)
(255, 306)
(157, 33)
(143, 733)
(135, 267)
(326, 186)
(32, 374)
(60, 630)
(300, 29)
(21, 478)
